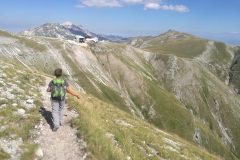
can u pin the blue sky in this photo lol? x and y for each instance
(215, 19)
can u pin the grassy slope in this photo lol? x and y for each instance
(219, 61)
(25, 41)
(188, 48)
(99, 123)
(235, 69)
(18, 126)
(176, 43)
(33, 53)
(227, 112)
(170, 114)
(174, 118)
(203, 94)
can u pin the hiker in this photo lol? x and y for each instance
(58, 88)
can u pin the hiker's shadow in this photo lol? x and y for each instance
(47, 115)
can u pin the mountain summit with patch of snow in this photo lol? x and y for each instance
(67, 24)
(69, 31)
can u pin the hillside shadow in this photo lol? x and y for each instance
(48, 116)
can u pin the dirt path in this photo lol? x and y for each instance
(60, 145)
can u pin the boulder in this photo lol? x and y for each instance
(14, 104)
(21, 111)
(39, 153)
(29, 101)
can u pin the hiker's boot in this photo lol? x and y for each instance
(55, 129)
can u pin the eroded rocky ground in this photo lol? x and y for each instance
(63, 144)
(25, 133)
(19, 103)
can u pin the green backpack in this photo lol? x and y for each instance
(58, 91)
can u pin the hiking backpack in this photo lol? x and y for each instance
(58, 89)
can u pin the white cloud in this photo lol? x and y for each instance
(132, 1)
(99, 3)
(152, 5)
(157, 6)
(177, 8)
(148, 4)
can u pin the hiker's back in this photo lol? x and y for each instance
(58, 89)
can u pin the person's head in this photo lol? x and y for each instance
(58, 72)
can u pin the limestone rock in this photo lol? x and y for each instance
(14, 104)
(39, 153)
(21, 111)
(29, 101)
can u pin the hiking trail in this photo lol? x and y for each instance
(63, 144)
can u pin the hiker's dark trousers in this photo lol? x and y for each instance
(57, 112)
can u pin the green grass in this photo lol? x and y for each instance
(98, 118)
(188, 48)
(18, 125)
(212, 143)
(3, 101)
(27, 42)
(233, 124)
(176, 43)
(29, 150)
(113, 97)
(225, 111)
(235, 69)
(171, 115)
(222, 54)
(220, 60)
(32, 44)
(4, 155)
(21, 129)
(6, 34)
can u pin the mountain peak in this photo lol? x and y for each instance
(67, 30)
(67, 23)
(174, 34)
(172, 30)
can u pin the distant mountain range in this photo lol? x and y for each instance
(68, 30)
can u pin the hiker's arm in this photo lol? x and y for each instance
(73, 93)
(48, 89)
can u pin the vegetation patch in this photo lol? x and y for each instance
(6, 34)
(29, 150)
(32, 44)
(17, 119)
(4, 155)
(170, 114)
(99, 125)
(188, 48)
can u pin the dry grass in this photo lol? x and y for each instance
(107, 139)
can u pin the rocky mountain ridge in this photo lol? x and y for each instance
(68, 31)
